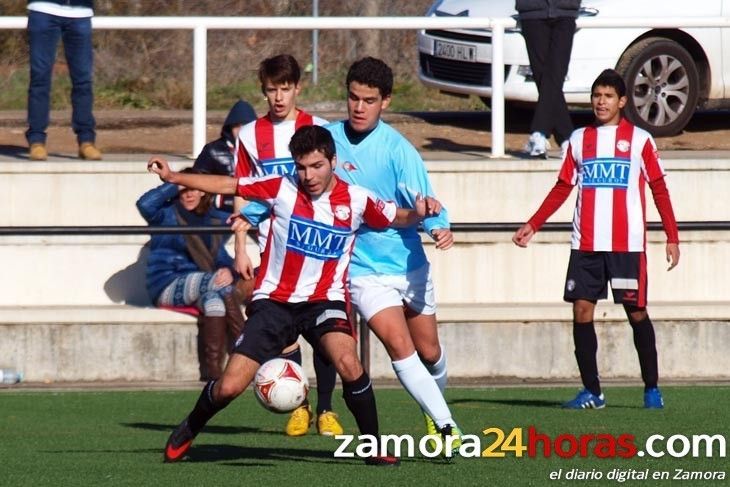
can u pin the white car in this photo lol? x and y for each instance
(669, 72)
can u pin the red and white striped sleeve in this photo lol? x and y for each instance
(568, 173)
(265, 188)
(378, 214)
(651, 163)
(241, 160)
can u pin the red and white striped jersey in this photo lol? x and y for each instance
(262, 147)
(611, 164)
(308, 248)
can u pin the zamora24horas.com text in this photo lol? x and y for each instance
(530, 442)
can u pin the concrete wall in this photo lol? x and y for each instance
(103, 193)
(481, 268)
(100, 270)
(73, 308)
(126, 344)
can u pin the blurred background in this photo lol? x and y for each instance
(159, 74)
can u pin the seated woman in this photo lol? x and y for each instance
(193, 269)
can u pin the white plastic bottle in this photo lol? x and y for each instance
(10, 376)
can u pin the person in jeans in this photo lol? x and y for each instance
(48, 22)
(548, 27)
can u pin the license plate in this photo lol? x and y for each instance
(452, 50)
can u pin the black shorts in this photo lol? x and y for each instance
(272, 325)
(589, 274)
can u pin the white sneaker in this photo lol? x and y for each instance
(537, 145)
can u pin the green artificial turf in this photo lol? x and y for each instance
(116, 438)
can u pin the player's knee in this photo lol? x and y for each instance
(583, 311)
(348, 367)
(230, 388)
(636, 314)
(399, 346)
(429, 354)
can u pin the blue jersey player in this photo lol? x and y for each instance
(390, 277)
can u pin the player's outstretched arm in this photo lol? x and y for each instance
(523, 235)
(672, 255)
(241, 261)
(554, 200)
(203, 182)
(405, 217)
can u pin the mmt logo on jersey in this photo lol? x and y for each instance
(283, 166)
(315, 239)
(609, 172)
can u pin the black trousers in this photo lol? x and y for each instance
(549, 42)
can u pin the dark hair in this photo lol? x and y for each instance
(206, 201)
(312, 138)
(610, 78)
(279, 69)
(371, 72)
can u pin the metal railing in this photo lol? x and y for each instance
(201, 25)
(456, 227)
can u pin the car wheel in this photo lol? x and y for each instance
(662, 85)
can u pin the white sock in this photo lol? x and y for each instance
(438, 371)
(420, 385)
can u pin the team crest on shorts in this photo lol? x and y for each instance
(570, 285)
(342, 212)
(623, 145)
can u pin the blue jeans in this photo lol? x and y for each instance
(44, 32)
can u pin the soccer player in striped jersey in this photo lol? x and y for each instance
(262, 149)
(300, 288)
(390, 277)
(611, 162)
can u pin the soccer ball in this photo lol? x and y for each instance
(281, 385)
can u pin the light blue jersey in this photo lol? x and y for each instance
(389, 166)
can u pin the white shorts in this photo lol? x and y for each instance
(375, 292)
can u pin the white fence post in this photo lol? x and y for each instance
(498, 90)
(315, 45)
(200, 101)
